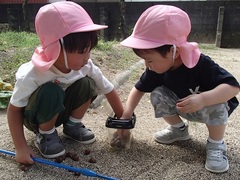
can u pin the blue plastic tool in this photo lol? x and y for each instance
(83, 171)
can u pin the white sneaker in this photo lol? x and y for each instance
(216, 160)
(171, 134)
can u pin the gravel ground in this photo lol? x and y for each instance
(145, 159)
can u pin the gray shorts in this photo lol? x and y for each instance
(164, 102)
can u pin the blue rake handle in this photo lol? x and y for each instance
(83, 171)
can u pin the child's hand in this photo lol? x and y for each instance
(190, 103)
(24, 155)
(120, 139)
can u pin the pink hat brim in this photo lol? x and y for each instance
(137, 43)
(91, 27)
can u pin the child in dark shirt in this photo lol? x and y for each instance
(183, 82)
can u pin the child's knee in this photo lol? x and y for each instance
(51, 92)
(219, 114)
(163, 95)
(86, 87)
(80, 92)
(88, 83)
(163, 101)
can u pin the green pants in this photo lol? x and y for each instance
(50, 99)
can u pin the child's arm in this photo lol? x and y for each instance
(15, 122)
(220, 94)
(134, 98)
(122, 137)
(115, 102)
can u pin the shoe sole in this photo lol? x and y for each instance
(215, 171)
(50, 156)
(82, 142)
(173, 140)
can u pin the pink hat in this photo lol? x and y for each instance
(53, 22)
(164, 25)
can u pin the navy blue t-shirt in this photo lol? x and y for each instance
(184, 81)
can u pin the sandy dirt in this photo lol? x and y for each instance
(145, 159)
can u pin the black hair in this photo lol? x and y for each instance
(163, 50)
(80, 42)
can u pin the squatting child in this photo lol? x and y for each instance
(59, 83)
(183, 82)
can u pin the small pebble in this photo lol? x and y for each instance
(24, 167)
(75, 158)
(92, 160)
(77, 174)
(68, 154)
(87, 152)
(60, 159)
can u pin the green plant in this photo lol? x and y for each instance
(105, 45)
(12, 39)
(207, 46)
(16, 48)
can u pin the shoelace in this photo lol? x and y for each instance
(216, 154)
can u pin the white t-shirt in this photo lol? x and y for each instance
(28, 79)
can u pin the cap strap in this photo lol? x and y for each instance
(64, 54)
(174, 53)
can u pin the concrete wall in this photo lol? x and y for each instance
(203, 15)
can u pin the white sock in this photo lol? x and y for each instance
(214, 141)
(180, 125)
(47, 132)
(72, 121)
